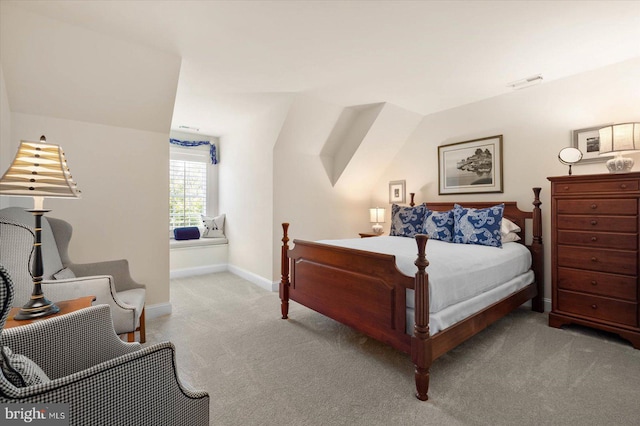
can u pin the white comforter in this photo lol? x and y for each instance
(457, 272)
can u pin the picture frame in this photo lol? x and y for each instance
(471, 167)
(588, 142)
(397, 192)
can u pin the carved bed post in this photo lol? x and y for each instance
(412, 203)
(421, 340)
(284, 267)
(537, 252)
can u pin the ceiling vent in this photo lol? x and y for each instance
(526, 82)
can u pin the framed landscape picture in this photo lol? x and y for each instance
(473, 166)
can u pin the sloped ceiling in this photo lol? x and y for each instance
(423, 56)
(69, 72)
(364, 141)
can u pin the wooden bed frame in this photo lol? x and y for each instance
(367, 292)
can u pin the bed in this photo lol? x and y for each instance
(368, 291)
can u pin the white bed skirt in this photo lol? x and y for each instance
(450, 315)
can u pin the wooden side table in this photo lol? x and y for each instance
(368, 234)
(66, 307)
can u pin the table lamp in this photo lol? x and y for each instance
(617, 140)
(39, 170)
(376, 216)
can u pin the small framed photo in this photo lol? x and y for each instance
(473, 166)
(588, 141)
(397, 192)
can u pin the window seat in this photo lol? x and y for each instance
(197, 257)
(196, 243)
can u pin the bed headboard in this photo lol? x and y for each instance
(511, 212)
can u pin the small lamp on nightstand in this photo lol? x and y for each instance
(376, 216)
(617, 140)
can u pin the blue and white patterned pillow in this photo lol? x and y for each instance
(439, 225)
(407, 221)
(478, 226)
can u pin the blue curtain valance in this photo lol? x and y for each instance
(212, 147)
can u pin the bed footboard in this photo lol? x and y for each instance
(361, 289)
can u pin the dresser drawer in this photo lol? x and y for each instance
(615, 261)
(599, 239)
(599, 283)
(598, 307)
(626, 206)
(618, 186)
(598, 223)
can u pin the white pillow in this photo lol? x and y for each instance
(508, 231)
(213, 227)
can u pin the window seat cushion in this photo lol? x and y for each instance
(197, 243)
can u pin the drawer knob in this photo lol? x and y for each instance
(594, 306)
(594, 206)
(594, 259)
(594, 238)
(594, 222)
(623, 185)
(594, 282)
(566, 188)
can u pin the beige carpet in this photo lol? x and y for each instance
(310, 370)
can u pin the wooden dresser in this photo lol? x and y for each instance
(594, 252)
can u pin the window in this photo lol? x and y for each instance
(187, 193)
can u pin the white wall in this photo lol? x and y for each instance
(123, 213)
(198, 260)
(535, 122)
(303, 193)
(89, 92)
(5, 132)
(246, 191)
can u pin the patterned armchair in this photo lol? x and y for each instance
(110, 282)
(104, 380)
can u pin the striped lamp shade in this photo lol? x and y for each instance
(39, 170)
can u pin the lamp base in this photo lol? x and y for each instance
(620, 164)
(37, 308)
(377, 228)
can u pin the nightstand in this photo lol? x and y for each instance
(368, 234)
(66, 307)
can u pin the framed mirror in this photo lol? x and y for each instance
(569, 156)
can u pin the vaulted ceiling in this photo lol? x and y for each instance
(237, 58)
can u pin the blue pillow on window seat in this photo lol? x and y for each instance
(186, 233)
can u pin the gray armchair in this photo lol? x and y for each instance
(110, 282)
(104, 380)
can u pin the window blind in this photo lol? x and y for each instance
(187, 193)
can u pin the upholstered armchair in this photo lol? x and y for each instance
(110, 282)
(77, 359)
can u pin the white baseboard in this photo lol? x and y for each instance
(199, 270)
(253, 278)
(157, 310)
